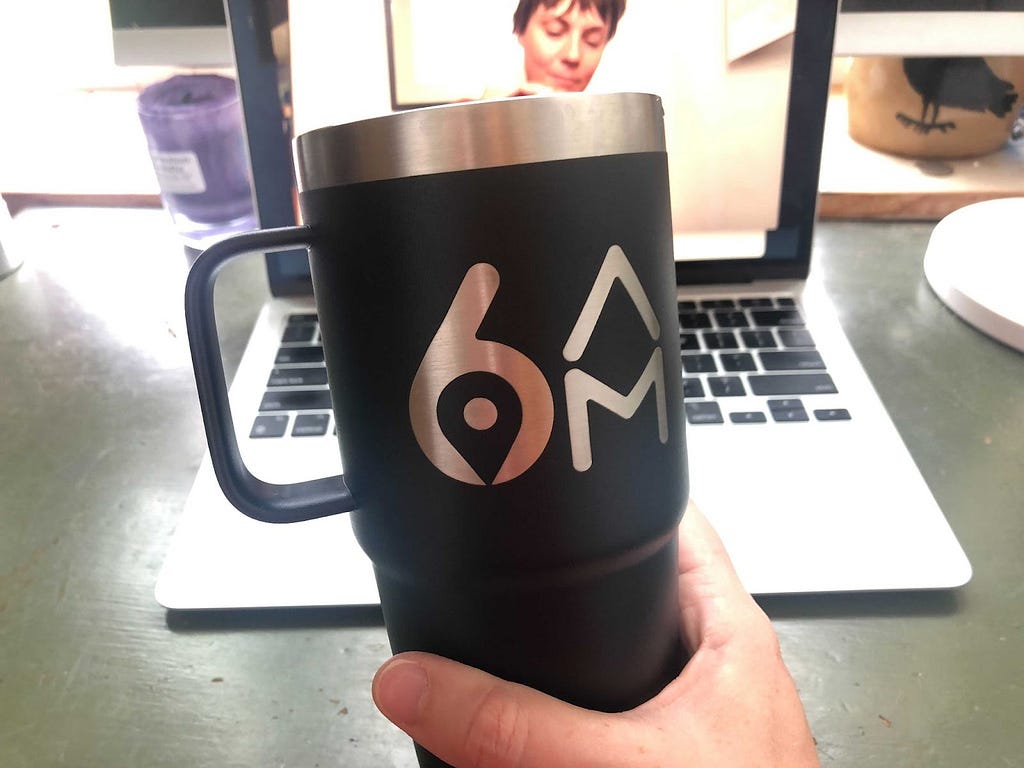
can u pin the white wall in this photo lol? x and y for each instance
(339, 61)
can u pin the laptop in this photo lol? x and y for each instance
(792, 455)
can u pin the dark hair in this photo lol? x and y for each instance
(609, 10)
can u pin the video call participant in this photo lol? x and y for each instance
(563, 41)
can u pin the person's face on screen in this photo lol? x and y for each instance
(562, 45)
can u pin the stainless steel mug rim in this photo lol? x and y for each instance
(485, 134)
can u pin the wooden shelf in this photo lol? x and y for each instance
(860, 183)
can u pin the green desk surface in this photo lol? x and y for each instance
(100, 436)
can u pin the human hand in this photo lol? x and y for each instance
(734, 704)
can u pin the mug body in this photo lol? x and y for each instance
(496, 295)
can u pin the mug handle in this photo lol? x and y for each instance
(268, 502)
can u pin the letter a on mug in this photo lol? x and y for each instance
(581, 388)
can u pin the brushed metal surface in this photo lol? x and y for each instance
(484, 134)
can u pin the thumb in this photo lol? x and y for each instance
(471, 719)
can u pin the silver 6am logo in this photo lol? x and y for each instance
(516, 408)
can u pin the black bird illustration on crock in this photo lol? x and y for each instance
(965, 82)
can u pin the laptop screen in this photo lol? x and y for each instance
(744, 84)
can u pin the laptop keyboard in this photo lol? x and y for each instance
(751, 351)
(755, 351)
(297, 401)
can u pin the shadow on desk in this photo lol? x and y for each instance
(851, 605)
(244, 619)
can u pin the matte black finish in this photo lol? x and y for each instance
(264, 501)
(562, 573)
(389, 261)
(481, 573)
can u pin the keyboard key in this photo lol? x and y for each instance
(783, 405)
(310, 424)
(688, 341)
(269, 426)
(785, 301)
(287, 355)
(795, 337)
(699, 364)
(297, 377)
(762, 301)
(737, 361)
(297, 400)
(790, 415)
(717, 304)
(703, 413)
(805, 360)
(298, 333)
(733, 319)
(691, 320)
(758, 339)
(720, 340)
(832, 414)
(693, 389)
(687, 306)
(775, 317)
(787, 410)
(792, 384)
(726, 386)
(302, 318)
(747, 417)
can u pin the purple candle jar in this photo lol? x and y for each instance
(193, 125)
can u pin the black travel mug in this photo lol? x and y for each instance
(496, 294)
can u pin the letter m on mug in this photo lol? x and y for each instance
(581, 388)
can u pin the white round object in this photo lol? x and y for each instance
(975, 263)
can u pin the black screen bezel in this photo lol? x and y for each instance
(268, 139)
(788, 247)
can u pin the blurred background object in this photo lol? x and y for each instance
(896, 151)
(934, 106)
(9, 258)
(193, 126)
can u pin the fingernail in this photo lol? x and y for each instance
(401, 691)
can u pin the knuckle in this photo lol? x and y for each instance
(497, 733)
